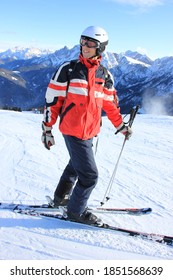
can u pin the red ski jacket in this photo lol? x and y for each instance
(80, 107)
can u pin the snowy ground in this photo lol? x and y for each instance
(144, 178)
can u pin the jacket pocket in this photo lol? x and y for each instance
(67, 109)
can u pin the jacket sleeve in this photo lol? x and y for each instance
(110, 102)
(55, 95)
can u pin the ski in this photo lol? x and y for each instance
(163, 239)
(13, 206)
(50, 208)
(130, 211)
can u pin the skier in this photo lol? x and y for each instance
(79, 103)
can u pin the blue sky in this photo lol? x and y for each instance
(142, 25)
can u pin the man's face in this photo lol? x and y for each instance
(89, 47)
(88, 52)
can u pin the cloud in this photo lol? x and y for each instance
(154, 104)
(142, 4)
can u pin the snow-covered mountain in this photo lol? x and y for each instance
(138, 79)
(23, 53)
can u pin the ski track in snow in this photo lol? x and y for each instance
(144, 179)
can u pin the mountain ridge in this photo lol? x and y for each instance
(136, 77)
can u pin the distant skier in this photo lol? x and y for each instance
(77, 94)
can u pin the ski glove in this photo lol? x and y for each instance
(125, 130)
(47, 137)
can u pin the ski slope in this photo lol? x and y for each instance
(143, 179)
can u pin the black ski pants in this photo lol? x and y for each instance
(82, 169)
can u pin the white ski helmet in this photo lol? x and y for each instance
(98, 34)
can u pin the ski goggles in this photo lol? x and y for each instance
(90, 43)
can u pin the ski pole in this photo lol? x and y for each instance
(96, 146)
(108, 190)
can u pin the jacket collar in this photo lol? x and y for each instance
(88, 62)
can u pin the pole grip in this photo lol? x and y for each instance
(133, 115)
